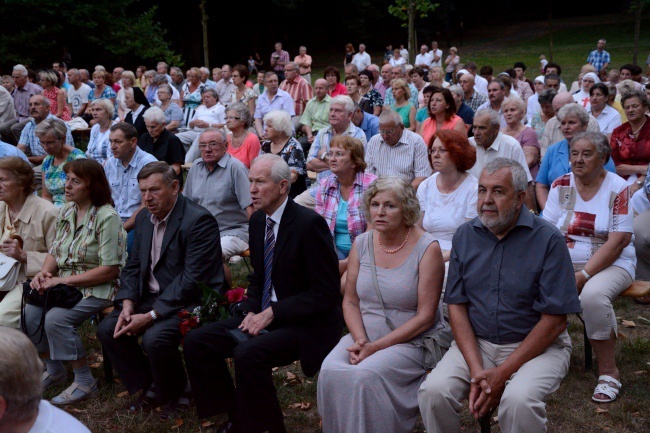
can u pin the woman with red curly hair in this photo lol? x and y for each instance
(448, 197)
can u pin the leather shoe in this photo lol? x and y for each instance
(228, 427)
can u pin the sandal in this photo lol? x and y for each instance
(49, 381)
(610, 387)
(74, 393)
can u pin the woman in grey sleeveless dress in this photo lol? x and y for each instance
(369, 382)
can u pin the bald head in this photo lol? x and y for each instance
(320, 88)
(561, 99)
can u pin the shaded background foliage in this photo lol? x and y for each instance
(133, 32)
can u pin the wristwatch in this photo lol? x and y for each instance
(153, 314)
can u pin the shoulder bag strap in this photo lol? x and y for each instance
(373, 272)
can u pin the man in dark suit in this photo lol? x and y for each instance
(294, 294)
(176, 247)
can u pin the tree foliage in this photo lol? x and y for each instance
(420, 8)
(34, 31)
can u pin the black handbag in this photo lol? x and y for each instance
(61, 296)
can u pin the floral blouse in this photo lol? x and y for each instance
(54, 176)
(192, 99)
(100, 240)
(293, 155)
(374, 97)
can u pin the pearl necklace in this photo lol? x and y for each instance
(639, 129)
(396, 249)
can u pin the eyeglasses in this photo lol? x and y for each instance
(338, 154)
(439, 150)
(211, 145)
(388, 131)
(232, 118)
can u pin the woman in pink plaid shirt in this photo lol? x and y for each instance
(340, 195)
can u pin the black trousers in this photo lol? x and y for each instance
(158, 360)
(253, 403)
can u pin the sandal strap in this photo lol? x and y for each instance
(606, 389)
(610, 379)
(85, 389)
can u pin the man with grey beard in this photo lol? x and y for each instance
(508, 306)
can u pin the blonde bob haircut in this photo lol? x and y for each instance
(402, 190)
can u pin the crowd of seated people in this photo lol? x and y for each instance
(402, 176)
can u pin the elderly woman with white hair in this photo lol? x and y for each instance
(161, 143)
(279, 129)
(573, 120)
(591, 208)
(513, 110)
(582, 97)
(173, 112)
(98, 144)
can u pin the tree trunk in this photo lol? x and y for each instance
(637, 30)
(412, 42)
(204, 23)
(550, 30)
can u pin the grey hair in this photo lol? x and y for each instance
(519, 104)
(294, 64)
(457, 89)
(281, 121)
(626, 86)
(404, 192)
(168, 173)
(129, 92)
(551, 77)
(164, 64)
(20, 68)
(635, 94)
(495, 119)
(106, 104)
(546, 96)
(402, 68)
(150, 73)
(501, 83)
(176, 69)
(279, 168)
(221, 131)
(166, 87)
(20, 376)
(344, 100)
(387, 115)
(159, 79)
(44, 100)
(155, 114)
(519, 177)
(211, 90)
(204, 70)
(242, 112)
(52, 125)
(598, 139)
(612, 89)
(573, 110)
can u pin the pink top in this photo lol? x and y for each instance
(429, 127)
(528, 137)
(51, 95)
(248, 151)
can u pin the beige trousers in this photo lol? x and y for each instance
(306, 200)
(522, 408)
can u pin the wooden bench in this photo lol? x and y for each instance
(638, 289)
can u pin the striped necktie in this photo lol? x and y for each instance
(269, 246)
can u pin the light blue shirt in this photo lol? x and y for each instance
(7, 149)
(124, 182)
(389, 99)
(28, 137)
(556, 163)
(281, 101)
(369, 125)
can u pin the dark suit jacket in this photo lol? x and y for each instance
(305, 278)
(139, 124)
(190, 253)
